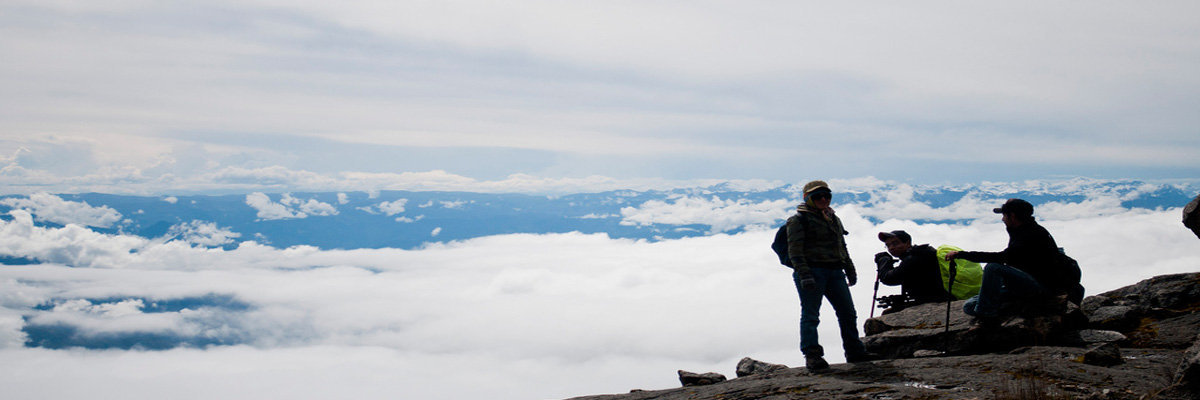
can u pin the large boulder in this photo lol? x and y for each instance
(749, 366)
(1191, 215)
(1187, 376)
(694, 379)
(1159, 312)
(906, 333)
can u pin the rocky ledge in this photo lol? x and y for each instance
(1137, 342)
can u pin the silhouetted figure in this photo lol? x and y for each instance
(1191, 216)
(919, 276)
(1030, 268)
(822, 269)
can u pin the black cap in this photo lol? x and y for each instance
(1016, 207)
(902, 235)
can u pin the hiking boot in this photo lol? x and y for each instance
(985, 324)
(862, 357)
(815, 363)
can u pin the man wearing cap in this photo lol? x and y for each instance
(822, 269)
(919, 276)
(1026, 270)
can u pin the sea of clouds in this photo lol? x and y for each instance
(515, 316)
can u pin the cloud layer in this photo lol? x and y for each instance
(511, 316)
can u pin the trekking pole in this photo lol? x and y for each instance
(950, 292)
(874, 295)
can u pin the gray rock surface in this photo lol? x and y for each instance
(749, 366)
(695, 379)
(1187, 376)
(1160, 312)
(923, 327)
(1137, 347)
(1104, 355)
(1055, 371)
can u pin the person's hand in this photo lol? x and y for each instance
(882, 258)
(808, 283)
(851, 278)
(951, 255)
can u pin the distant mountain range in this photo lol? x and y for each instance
(404, 219)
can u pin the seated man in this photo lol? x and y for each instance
(1028, 269)
(919, 276)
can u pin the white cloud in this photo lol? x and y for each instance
(456, 204)
(51, 208)
(436, 231)
(449, 319)
(311, 206)
(288, 207)
(202, 233)
(269, 210)
(409, 220)
(722, 215)
(343, 198)
(171, 199)
(71, 244)
(388, 208)
(598, 216)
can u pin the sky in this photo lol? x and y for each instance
(543, 96)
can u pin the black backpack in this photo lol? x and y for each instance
(1069, 277)
(780, 245)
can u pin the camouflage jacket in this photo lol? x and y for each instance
(817, 242)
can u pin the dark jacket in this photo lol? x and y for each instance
(918, 274)
(1030, 249)
(817, 242)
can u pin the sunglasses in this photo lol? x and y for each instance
(822, 195)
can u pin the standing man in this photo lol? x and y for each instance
(919, 276)
(822, 269)
(1028, 269)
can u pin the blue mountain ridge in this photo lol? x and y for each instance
(464, 215)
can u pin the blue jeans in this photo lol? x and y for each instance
(1001, 283)
(830, 284)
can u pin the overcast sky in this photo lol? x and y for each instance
(165, 96)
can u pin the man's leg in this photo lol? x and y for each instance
(839, 297)
(1000, 281)
(969, 306)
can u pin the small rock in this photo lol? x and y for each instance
(927, 353)
(1104, 355)
(694, 379)
(1088, 337)
(749, 366)
(1187, 376)
(1117, 318)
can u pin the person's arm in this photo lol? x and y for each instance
(889, 273)
(982, 256)
(795, 239)
(847, 262)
